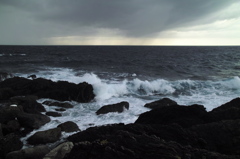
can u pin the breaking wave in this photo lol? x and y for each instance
(210, 93)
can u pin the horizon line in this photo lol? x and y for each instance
(108, 45)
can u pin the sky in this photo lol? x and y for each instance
(119, 22)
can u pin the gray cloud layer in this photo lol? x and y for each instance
(133, 17)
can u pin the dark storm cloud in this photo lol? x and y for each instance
(133, 17)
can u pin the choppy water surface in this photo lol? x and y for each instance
(139, 74)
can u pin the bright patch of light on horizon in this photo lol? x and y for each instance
(102, 40)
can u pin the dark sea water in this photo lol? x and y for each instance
(138, 74)
(166, 62)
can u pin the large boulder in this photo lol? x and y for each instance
(167, 132)
(119, 107)
(29, 104)
(62, 90)
(32, 121)
(9, 143)
(186, 116)
(6, 93)
(44, 137)
(69, 126)
(58, 104)
(60, 151)
(11, 127)
(138, 141)
(160, 103)
(222, 136)
(9, 113)
(228, 111)
(21, 86)
(37, 152)
(65, 91)
(53, 114)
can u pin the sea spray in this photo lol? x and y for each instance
(210, 93)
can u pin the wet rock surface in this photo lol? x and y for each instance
(118, 107)
(186, 116)
(44, 137)
(33, 121)
(69, 126)
(161, 103)
(37, 152)
(167, 131)
(28, 103)
(58, 104)
(53, 114)
(62, 90)
(60, 151)
(8, 143)
(20, 113)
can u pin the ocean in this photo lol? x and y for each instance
(205, 75)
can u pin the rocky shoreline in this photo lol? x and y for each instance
(168, 130)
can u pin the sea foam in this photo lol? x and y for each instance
(210, 93)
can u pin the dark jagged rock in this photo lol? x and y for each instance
(235, 103)
(69, 126)
(138, 141)
(60, 109)
(160, 103)
(60, 151)
(29, 104)
(119, 107)
(9, 143)
(186, 116)
(33, 121)
(62, 90)
(11, 127)
(167, 132)
(21, 86)
(58, 104)
(15, 120)
(228, 111)
(53, 114)
(65, 91)
(37, 152)
(6, 93)
(9, 113)
(1, 133)
(44, 137)
(222, 136)
(152, 148)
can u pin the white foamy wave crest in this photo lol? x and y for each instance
(233, 83)
(105, 90)
(207, 92)
(158, 86)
